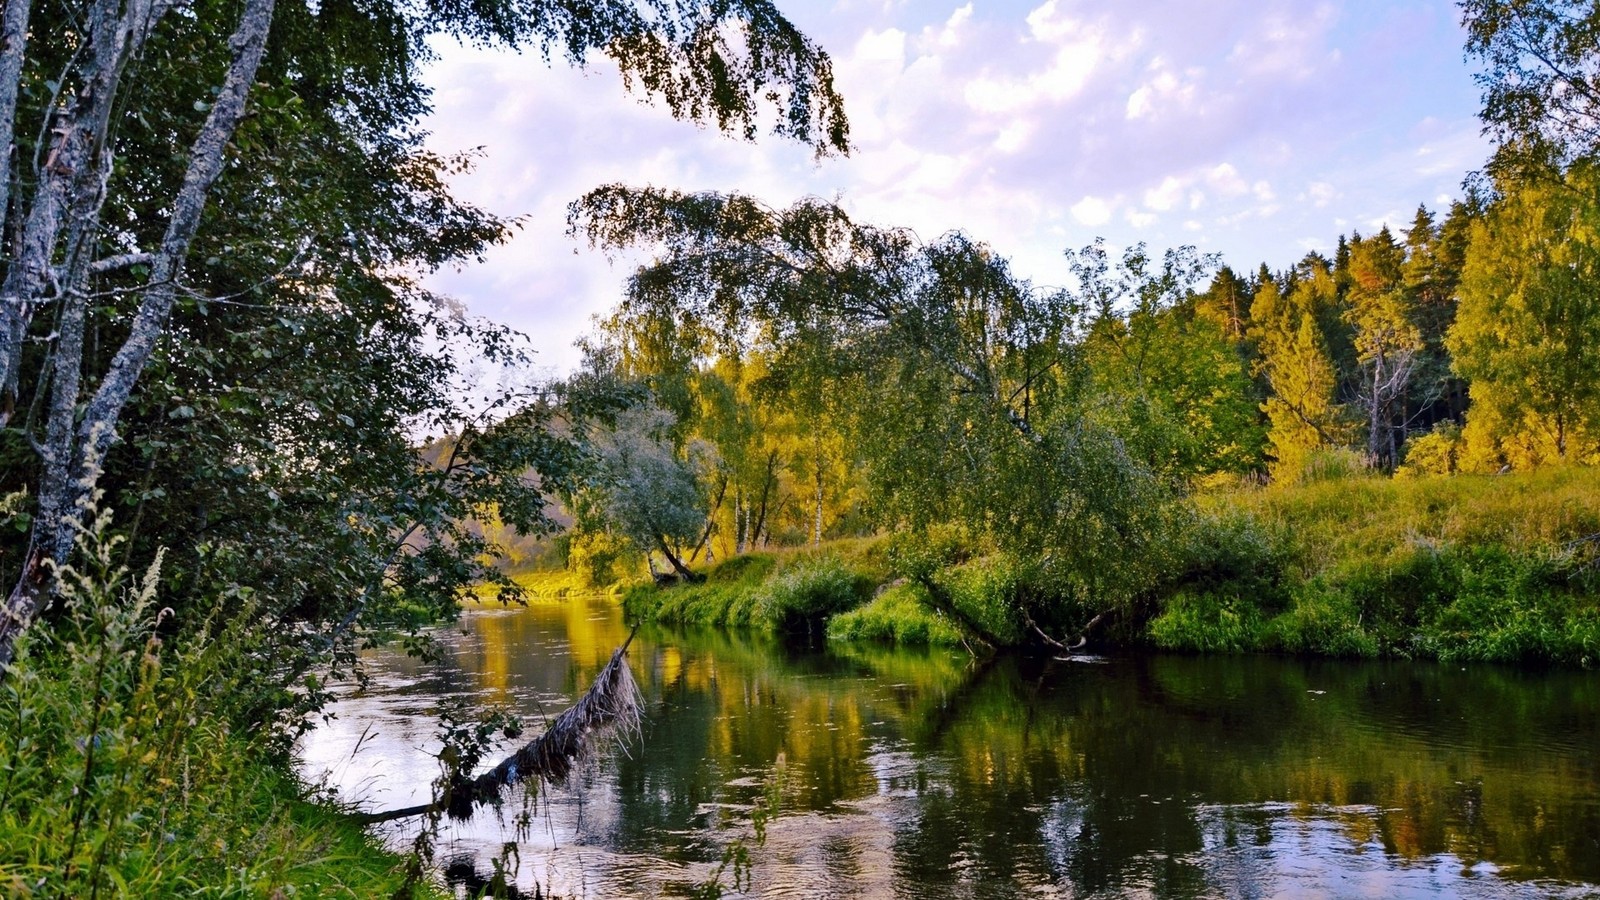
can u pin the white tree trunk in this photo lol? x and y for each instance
(64, 218)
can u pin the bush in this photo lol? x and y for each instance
(120, 777)
(1208, 622)
(599, 558)
(899, 615)
(1434, 453)
(1320, 621)
(804, 596)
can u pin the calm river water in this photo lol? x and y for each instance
(909, 774)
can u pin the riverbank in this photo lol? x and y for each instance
(121, 776)
(1482, 568)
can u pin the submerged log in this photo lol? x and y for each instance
(610, 708)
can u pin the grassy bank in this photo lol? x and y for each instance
(120, 775)
(1491, 568)
(782, 591)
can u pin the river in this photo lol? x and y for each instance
(897, 773)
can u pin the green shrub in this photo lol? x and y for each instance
(1233, 553)
(1434, 453)
(899, 615)
(1322, 622)
(600, 559)
(121, 777)
(1208, 622)
(807, 594)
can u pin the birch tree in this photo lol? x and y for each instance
(103, 226)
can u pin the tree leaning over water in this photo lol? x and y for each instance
(972, 400)
(231, 340)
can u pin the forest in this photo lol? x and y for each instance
(238, 443)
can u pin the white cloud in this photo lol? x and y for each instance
(1225, 180)
(1063, 79)
(1287, 47)
(1091, 211)
(950, 34)
(1140, 219)
(1321, 193)
(1165, 92)
(1049, 24)
(1164, 196)
(888, 45)
(1014, 136)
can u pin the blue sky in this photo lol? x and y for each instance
(1258, 129)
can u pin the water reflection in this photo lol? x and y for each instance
(931, 775)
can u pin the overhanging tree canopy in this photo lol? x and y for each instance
(247, 307)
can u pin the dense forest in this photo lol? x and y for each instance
(219, 367)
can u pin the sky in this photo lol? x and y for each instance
(1257, 129)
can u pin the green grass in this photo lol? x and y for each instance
(1461, 568)
(898, 615)
(1347, 564)
(120, 775)
(782, 590)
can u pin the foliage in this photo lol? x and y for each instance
(1463, 568)
(968, 392)
(278, 359)
(1541, 79)
(1170, 381)
(121, 773)
(1527, 334)
(1381, 309)
(1208, 622)
(896, 615)
(805, 595)
(642, 486)
(1296, 366)
(1436, 453)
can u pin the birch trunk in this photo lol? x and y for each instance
(13, 49)
(70, 196)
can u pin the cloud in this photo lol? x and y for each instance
(1092, 211)
(1031, 127)
(1166, 93)
(888, 45)
(1164, 196)
(1225, 180)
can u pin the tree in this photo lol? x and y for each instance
(970, 382)
(1226, 302)
(1300, 405)
(1527, 333)
(1387, 341)
(122, 268)
(640, 484)
(1168, 377)
(1541, 80)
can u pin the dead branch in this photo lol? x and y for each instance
(610, 708)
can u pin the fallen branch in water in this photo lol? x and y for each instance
(1082, 639)
(609, 708)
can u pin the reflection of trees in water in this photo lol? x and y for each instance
(1171, 775)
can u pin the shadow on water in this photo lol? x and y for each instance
(928, 774)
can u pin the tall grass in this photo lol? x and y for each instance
(1488, 568)
(120, 778)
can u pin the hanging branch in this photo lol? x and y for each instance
(609, 708)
